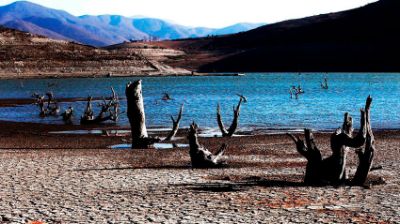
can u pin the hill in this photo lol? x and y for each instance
(100, 30)
(361, 39)
(27, 55)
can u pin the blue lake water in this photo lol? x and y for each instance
(269, 106)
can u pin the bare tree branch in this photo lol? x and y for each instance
(236, 112)
(175, 125)
(109, 110)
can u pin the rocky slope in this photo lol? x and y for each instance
(359, 40)
(27, 55)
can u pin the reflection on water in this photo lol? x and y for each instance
(92, 132)
(269, 106)
(156, 146)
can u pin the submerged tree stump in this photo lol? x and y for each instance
(136, 116)
(67, 115)
(52, 108)
(200, 156)
(332, 169)
(109, 110)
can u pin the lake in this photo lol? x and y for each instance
(269, 107)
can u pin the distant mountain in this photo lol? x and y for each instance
(237, 28)
(99, 30)
(36, 19)
(365, 39)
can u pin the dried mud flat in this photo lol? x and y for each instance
(261, 185)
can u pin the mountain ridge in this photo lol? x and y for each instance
(363, 39)
(101, 30)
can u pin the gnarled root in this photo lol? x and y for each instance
(332, 169)
(313, 155)
(200, 156)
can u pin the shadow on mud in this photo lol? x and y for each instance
(241, 185)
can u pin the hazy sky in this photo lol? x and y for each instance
(209, 13)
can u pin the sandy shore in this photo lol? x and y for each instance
(76, 179)
(107, 75)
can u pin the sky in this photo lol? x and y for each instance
(207, 13)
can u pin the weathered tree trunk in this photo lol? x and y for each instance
(200, 156)
(136, 116)
(347, 126)
(366, 156)
(175, 125)
(332, 169)
(106, 113)
(312, 154)
(52, 108)
(340, 141)
(67, 115)
(235, 121)
(88, 112)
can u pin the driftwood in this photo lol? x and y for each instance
(166, 97)
(332, 169)
(88, 113)
(47, 107)
(325, 84)
(136, 116)
(67, 115)
(296, 91)
(236, 112)
(365, 157)
(200, 156)
(108, 111)
(175, 125)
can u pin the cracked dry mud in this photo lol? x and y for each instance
(262, 185)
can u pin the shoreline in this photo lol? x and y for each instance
(78, 179)
(157, 128)
(107, 75)
(15, 76)
(10, 102)
(205, 132)
(242, 131)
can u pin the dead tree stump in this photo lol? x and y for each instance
(109, 110)
(175, 125)
(52, 108)
(332, 169)
(235, 122)
(136, 116)
(200, 156)
(312, 154)
(67, 115)
(365, 156)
